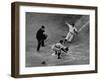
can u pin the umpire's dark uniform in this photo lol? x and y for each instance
(40, 37)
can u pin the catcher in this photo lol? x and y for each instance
(59, 48)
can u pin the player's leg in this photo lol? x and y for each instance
(70, 38)
(39, 44)
(54, 50)
(59, 54)
(67, 37)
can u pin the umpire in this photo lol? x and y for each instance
(41, 36)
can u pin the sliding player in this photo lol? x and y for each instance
(72, 31)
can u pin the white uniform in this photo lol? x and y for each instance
(57, 48)
(71, 32)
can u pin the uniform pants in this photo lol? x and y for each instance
(69, 36)
(40, 43)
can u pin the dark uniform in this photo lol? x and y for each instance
(40, 36)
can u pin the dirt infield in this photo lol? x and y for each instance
(78, 53)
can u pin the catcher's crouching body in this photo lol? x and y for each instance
(59, 49)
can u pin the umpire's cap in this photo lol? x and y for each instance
(42, 26)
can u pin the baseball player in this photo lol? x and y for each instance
(72, 31)
(59, 48)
